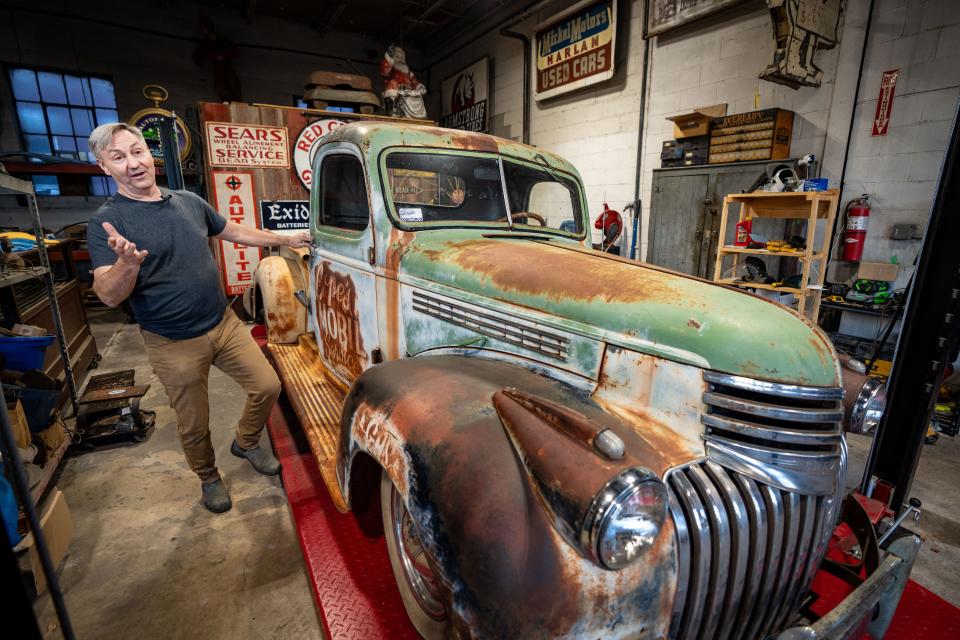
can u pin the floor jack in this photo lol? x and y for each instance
(110, 408)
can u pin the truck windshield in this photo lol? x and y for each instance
(431, 188)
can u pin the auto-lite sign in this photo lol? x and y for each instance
(285, 216)
(888, 85)
(306, 145)
(575, 49)
(233, 193)
(464, 96)
(247, 145)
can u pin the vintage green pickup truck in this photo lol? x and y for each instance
(567, 443)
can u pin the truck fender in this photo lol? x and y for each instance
(491, 488)
(276, 280)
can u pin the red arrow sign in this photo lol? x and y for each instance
(881, 122)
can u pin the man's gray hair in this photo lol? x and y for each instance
(102, 136)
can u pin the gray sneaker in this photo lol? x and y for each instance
(215, 496)
(262, 459)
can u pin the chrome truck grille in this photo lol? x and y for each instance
(754, 517)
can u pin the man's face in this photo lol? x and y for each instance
(128, 161)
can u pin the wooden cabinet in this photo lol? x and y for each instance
(685, 203)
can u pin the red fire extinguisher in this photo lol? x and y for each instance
(855, 233)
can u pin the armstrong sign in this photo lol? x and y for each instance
(575, 49)
(464, 96)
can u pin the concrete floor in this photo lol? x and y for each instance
(938, 566)
(147, 559)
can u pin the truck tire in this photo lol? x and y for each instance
(412, 565)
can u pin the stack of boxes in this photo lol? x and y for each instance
(708, 135)
(691, 131)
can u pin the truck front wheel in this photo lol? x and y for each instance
(412, 567)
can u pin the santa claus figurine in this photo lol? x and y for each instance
(402, 93)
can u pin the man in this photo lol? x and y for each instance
(151, 245)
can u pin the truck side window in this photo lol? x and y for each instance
(344, 197)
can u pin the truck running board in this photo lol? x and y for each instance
(317, 398)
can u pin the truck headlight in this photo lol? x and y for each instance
(869, 407)
(624, 519)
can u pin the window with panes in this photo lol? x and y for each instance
(57, 111)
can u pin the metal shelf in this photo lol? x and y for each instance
(15, 186)
(12, 277)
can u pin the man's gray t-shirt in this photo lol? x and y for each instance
(178, 293)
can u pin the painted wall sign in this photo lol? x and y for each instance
(665, 15)
(339, 321)
(888, 85)
(305, 148)
(233, 195)
(576, 48)
(246, 145)
(285, 216)
(464, 96)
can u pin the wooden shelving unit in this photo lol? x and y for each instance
(810, 206)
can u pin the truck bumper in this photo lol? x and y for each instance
(882, 589)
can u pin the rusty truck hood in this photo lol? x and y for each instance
(626, 303)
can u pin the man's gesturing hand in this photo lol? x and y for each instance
(125, 250)
(300, 240)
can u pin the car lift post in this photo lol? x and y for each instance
(928, 341)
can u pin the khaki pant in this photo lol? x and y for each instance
(183, 367)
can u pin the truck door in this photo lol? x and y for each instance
(341, 278)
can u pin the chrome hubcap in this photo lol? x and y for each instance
(416, 568)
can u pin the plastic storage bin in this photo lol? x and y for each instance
(23, 353)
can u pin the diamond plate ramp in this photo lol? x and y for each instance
(345, 553)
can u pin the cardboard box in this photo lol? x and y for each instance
(54, 435)
(57, 526)
(18, 420)
(28, 330)
(697, 122)
(883, 271)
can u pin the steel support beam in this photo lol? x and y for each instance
(928, 341)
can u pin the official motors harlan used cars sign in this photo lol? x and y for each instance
(247, 145)
(464, 96)
(575, 49)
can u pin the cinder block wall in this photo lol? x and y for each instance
(718, 60)
(596, 128)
